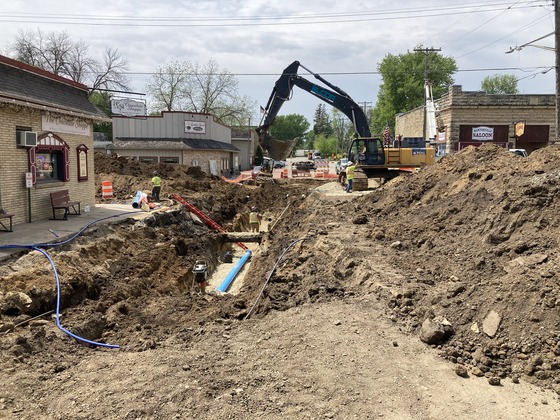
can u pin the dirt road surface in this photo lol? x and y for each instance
(434, 296)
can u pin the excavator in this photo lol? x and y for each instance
(373, 159)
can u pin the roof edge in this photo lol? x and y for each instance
(40, 72)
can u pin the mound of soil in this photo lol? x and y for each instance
(460, 258)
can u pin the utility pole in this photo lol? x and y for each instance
(429, 50)
(365, 105)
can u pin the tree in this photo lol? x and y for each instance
(325, 145)
(343, 129)
(184, 86)
(402, 88)
(57, 53)
(102, 100)
(500, 84)
(166, 87)
(322, 123)
(288, 127)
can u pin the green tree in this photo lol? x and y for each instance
(185, 86)
(288, 127)
(258, 159)
(321, 121)
(402, 87)
(325, 145)
(500, 84)
(102, 100)
(343, 130)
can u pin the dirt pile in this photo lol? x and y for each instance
(467, 245)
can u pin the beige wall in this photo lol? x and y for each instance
(15, 163)
(458, 108)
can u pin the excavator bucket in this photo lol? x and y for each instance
(277, 149)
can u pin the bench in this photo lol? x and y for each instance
(6, 216)
(60, 200)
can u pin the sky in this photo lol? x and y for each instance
(343, 41)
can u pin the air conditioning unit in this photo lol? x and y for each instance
(27, 138)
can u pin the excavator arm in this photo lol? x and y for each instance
(282, 92)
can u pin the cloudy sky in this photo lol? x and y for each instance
(342, 40)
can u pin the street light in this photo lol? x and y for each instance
(530, 44)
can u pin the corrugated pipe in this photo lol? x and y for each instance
(234, 271)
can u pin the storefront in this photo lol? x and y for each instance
(46, 140)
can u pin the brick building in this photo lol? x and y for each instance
(473, 118)
(186, 138)
(46, 140)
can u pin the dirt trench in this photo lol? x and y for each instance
(356, 277)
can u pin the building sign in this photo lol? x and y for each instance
(196, 127)
(128, 107)
(65, 124)
(519, 128)
(483, 133)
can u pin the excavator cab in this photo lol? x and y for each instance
(367, 151)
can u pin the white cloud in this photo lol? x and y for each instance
(353, 37)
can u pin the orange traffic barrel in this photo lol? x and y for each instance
(106, 189)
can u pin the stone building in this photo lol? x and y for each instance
(471, 118)
(186, 138)
(46, 140)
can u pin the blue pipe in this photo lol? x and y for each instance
(234, 271)
(42, 251)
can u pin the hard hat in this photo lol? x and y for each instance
(350, 163)
(254, 208)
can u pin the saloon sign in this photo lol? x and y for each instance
(483, 133)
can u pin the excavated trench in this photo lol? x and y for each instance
(122, 276)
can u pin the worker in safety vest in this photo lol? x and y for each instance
(350, 176)
(254, 220)
(156, 181)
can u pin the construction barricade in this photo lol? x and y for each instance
(106, 189)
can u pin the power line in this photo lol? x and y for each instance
(303, 19)
(355, 73)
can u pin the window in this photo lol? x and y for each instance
(49, 160)
(49, 166)
(148, 159)
(169, 159)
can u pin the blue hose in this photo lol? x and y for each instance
(38, 247)
(234, 271)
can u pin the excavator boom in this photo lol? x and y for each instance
(282, 92)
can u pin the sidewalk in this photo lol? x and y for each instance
(46, 231)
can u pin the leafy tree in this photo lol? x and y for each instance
(288, 127)
(258, 159)
(499, 84)
(325, 145)
(342, 131)
(185, 86)
(402, 88)
(322, 123)
(102, 100)
(58, 53)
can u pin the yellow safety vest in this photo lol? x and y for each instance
(350, 172)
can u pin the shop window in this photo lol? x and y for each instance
(49, 160)
(49, 166)
(148, 159)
